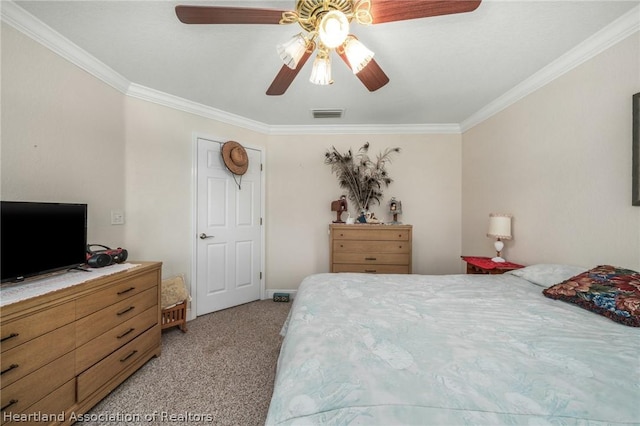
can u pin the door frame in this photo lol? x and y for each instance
(191, 314)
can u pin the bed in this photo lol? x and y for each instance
(455, 349)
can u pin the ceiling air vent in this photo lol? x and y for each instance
(327, 113)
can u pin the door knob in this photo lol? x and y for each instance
(205, 236)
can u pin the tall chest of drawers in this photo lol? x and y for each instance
(376, 249)
(63, 351)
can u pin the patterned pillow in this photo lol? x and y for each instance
(606, 290)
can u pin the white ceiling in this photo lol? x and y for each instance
(441, 69)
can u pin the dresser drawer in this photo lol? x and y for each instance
(22, 330)
(30, 356)
(368, 247)
(371, 269)
(99, 322)
(371, 232)
(55, 403)
(19, 396)
(96, 349)
(372, 258)
(115, 293)
(95, 377)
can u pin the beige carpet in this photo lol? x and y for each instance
(220, 372)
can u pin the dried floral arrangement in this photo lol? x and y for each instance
(362, 177)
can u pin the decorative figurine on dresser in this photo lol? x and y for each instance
(339, 206)
(395, 208)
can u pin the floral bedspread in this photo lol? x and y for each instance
(450, 350)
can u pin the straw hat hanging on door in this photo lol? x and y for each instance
(235, 158)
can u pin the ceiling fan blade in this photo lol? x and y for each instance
(402, 10)
(371, 76)
(227, 15)
(286, 76)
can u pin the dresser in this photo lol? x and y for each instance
(65, 350)
(376, 249)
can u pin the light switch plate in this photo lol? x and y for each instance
(117, 217)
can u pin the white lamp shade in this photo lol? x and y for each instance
(357, 54)
(292, 50)
(499, 226)
(333, 29)
(321, 72)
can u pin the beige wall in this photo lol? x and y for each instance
(559, 160)
(62, 135)
(300, 188)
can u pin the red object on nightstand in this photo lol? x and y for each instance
(484, 265)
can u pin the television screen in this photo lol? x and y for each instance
(38, 238)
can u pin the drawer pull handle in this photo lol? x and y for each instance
(124, 311)
(125, 333)
(129, 356)
(11, 367)
(13, 401)
(370, 270)
(370, 258)
(11, 336)
(125, 291)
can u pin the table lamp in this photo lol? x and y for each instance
(500, 229)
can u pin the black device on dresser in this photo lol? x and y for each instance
(38, 238)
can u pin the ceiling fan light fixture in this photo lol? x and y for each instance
(333, 28)
(292, 50)
(357, 53)
(321, 72)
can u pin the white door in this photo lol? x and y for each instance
(229, 235)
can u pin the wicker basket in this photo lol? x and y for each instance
(175, 316)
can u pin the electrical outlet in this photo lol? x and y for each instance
(117, 217)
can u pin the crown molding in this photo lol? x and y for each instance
(181, 104)
(363, 129)
(29, 25)
(32, 27)
(613, 33)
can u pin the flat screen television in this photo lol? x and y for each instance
(40, 238)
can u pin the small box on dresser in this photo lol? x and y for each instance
(375, 249)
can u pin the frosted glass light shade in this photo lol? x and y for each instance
(321, 72)
(333, 29)
(357, 54)
(292, 50)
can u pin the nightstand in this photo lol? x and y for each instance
(484, 265)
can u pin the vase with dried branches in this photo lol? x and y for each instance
(362, 177)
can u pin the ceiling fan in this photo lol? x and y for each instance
(326, 28)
